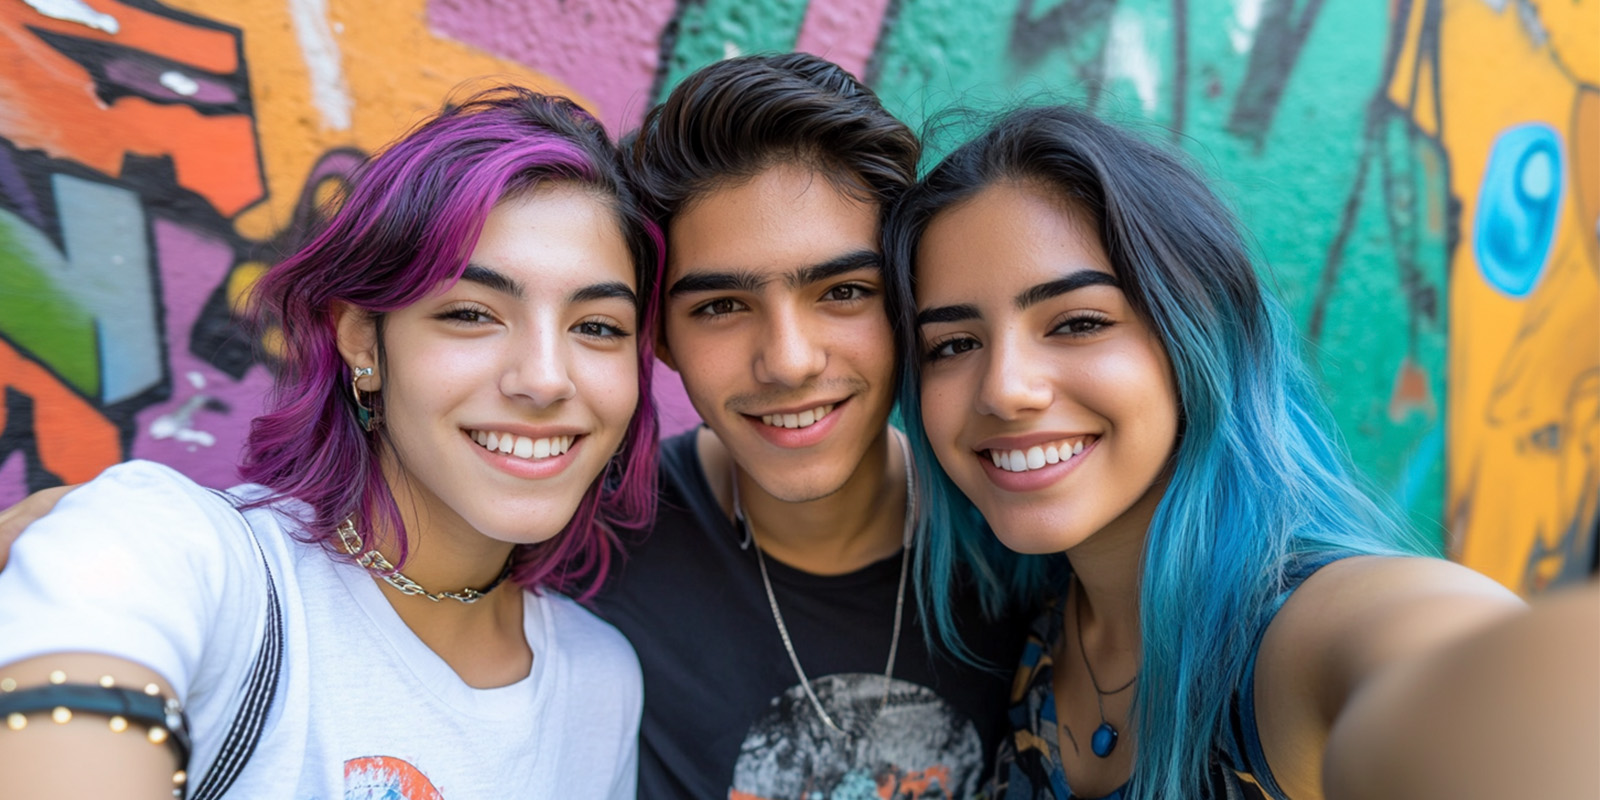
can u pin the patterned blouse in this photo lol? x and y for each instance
(1028, 766)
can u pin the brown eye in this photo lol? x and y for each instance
(1083, 325)
(952, 347)
(598, 330)
(847, 292)
(718, 307)
(470, 316)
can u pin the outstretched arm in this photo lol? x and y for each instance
(86, 755)
(18, 517)
(1349, 625)
(1512, 711)
(133, 580)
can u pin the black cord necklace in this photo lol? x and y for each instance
(1104, 740)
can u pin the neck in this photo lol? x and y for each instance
(444, 553)
(482, 641)
(859, 524)
(1107, 569)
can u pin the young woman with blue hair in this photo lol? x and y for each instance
(1096, 369)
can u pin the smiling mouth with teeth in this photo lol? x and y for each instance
(522, 446)
(804, 419)
(1038, 456)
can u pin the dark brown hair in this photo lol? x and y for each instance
(733, 119)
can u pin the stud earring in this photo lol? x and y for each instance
(369, 418)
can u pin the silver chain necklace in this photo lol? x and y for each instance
(906, 534)
(380, 566)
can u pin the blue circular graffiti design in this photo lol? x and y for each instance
(1518, 206)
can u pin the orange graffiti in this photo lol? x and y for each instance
(913, 785)
(1411, 393)
(52, 101)
(394, 776)
(393, 67)
(73, 440)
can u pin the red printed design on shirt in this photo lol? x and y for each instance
(386, 778)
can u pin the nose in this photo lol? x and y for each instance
(1013, 384)
(538, 367)
(790, 353)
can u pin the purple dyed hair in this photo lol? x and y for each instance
(409, 221)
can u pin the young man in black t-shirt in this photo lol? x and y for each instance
(772, 606)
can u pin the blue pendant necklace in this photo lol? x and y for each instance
(1104, 740)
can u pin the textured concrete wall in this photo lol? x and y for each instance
(1421, 179)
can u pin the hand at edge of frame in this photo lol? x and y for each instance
(16, 519)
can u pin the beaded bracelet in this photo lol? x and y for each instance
(162, 718)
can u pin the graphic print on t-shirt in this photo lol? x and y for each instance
(912, 746)
(386, 778)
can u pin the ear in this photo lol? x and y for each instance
(663, 350)
(357, 333)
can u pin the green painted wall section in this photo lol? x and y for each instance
(1290, 167)
(38, 317)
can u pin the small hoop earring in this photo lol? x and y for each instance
(368, 418)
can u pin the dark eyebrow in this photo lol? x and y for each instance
(1071, 283)
(605, 291)
(849, 262)
(958, 313)
(493, 281)
(743, 281)
(752, 282)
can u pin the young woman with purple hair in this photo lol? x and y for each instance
(461, 421)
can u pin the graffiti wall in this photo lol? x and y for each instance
(1422, 180)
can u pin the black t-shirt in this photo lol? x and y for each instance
(724, 713)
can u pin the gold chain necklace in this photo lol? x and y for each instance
(907, 531)
(380, 566)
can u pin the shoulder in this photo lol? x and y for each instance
(590, 642)
(1358, 613)
(695, 469)
(145, 482)
(1383, 606)
(679, 455)
(142, 506)
(1349, 621)
(142, 564)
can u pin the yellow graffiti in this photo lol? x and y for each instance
(395, 68)
(1524, 371)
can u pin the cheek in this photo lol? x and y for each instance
(868, 342)
(939, 415)
(431, 377)
(708, 361)
(609, 383)
(1135, 390)
(944, 405)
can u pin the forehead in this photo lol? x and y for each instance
(555, 235)
(1011, 233)
(787, 216)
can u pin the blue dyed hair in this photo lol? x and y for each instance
(1257, 481)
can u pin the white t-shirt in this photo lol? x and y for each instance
(145, 565)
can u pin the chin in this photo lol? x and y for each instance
(515, 528)
(1034, 536)
(1033, 544)
(790, 489)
